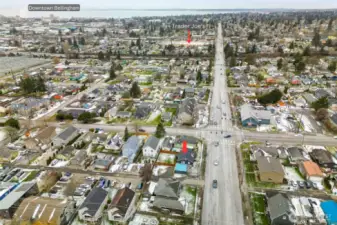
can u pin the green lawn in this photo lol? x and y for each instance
(259, 204)
(31, 176)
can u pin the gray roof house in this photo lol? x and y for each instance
(93, 206)
(296, 154)
(167, 194)
(151, 147)
(280, 210)
(186, 158)
(131, 147)
(254, 117)
(142, 111)
(167, 144)
(65, 136)
(320, 93)
(79, 158)
(310, 98)
(186, 111)
(189, 92)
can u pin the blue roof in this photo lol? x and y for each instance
(180, 167)
(330, 210)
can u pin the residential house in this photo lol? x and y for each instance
(143, 110)
(267, 151)
(167, 193)
(270, 169)
(123, 205)
(186, 111)
(102, 164)
(44, 210)
(44, 137)
(320, 93)
(310, 98)
(123, 114)
(191, 143)
(189, 92)
(296, 154)
(311, 171)
(74, 112)
(92, 207)
(114, 143)
(167, 144)
(66, 153)
(27, 106)
(151, 147)
(280, 210)
(252, 117)
(330, 208)
(65, 136)
(324, 159)
(187, 158)
(12, 200)
(131, 147)
(78, 161)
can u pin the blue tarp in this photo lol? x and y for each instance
(180, 168)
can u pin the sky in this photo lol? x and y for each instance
(192, 4)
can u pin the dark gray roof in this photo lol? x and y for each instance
(151, 142)
(321, 156)
(190, 90)
(168, 204)
(94, 200)
(142, 111)
(102, 162)
(187, 106)
(188, 156)
(295, 152)
(65, 134)
(167, 143)
(167, 188)
(278, 205)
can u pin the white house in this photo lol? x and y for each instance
(151, 147)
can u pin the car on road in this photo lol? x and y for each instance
(216, 162)
(215, 184)
(227, 136)
(216, 144)
(141, 130)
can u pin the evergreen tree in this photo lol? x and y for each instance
(160, 130)
(135, 91)
(101, 55)
(12, 123)
(199, 76)
(232, 62)
(316, 40)
(126, 134)
(112, 73)
(279, 64)
(306, 51)
(332, 66)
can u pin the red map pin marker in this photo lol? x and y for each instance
(184, 147)
(188, 36)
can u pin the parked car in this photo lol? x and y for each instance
(107, 184)
(215, 184)
(301, 184)
(141, 130)
(228, 136)
(308, 184)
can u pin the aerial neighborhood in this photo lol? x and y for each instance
(123, 121)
